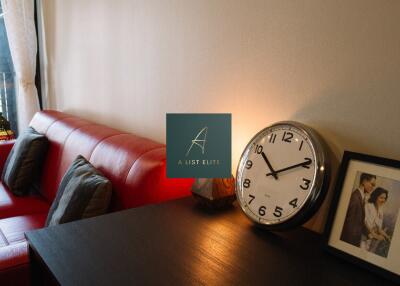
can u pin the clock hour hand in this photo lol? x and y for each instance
(307, 162)
(273, 173)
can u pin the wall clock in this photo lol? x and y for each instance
(283, 175)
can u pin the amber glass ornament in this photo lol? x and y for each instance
(214, 192)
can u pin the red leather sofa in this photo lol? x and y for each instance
(135, 166)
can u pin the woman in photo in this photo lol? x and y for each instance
(376, 237)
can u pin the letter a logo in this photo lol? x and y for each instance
(199, 140)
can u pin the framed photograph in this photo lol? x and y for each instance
(363, 224)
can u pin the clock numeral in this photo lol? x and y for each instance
(308, 161)
(301, 145)
(258, 149)
(278, 211)
(293, 203)
(249, 164)
(251, 198)
(287, 136)
(246, 183)
(272, 138)
(306, 184)
(261, 211)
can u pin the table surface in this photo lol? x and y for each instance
(180, 243)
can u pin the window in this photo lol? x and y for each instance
(7, 85)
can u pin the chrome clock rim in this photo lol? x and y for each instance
(318, 189)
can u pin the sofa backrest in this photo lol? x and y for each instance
(136, 166)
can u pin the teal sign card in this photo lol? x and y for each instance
(199, 145)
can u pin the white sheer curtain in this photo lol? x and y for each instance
(21, 34)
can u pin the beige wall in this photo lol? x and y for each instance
(334, 65)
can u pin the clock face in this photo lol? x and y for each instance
(279, 174)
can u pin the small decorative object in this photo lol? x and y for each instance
(5, 130)
(282, 176)
(214, 192)
(363, 224)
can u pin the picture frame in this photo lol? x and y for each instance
(363, 224)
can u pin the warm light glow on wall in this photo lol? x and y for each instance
(252, 109)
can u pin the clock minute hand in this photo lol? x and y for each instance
(273, 173)
(305, 163)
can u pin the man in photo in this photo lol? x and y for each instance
(354, 225)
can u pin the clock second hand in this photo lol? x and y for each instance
(305, 163)
(269, 166)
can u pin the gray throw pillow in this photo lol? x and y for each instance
(24, 162)
(83, 192)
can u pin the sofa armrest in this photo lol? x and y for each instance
(147, 182)
(5, 148)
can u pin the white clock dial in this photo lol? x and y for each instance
(278, 174)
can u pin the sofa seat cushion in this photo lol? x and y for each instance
(14, 258)
(12, 229)
(14, 265)
(11, 205)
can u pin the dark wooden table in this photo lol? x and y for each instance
(179, 243)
